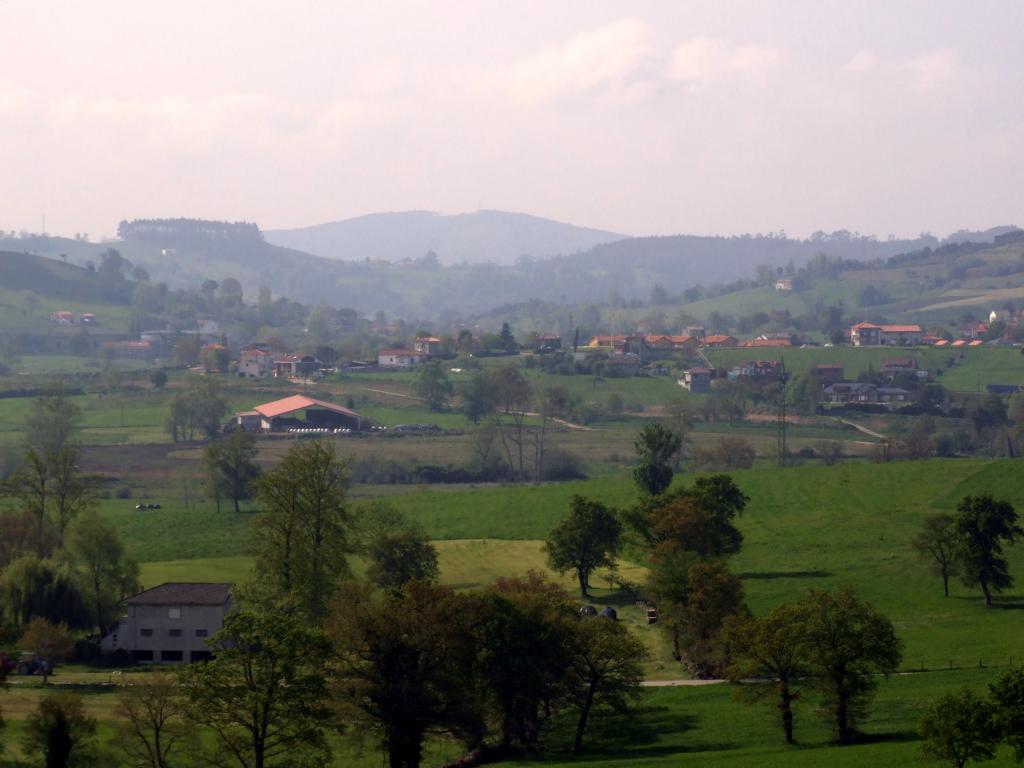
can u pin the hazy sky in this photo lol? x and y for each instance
(641, 117)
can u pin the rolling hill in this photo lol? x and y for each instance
(473, 238)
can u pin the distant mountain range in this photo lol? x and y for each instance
(185, 252)
(497, 237)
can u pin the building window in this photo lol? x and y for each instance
(146, 632)
(171, 656)
(202, 633)
(174, 613)
(142, 655)
(174, 632)
(200, 656)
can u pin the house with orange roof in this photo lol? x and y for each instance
(877, 335)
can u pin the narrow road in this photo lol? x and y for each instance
(863, 429)
(678, 683)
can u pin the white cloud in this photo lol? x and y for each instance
(616, 58)
(934, 69)
(862, 61)
(703, 60)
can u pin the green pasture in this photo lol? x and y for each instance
(709, 726)
(668, 726)
(810, 526)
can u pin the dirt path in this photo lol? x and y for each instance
(678, 683)
(863, 429)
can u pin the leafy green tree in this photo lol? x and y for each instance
(152, 731)
(937, 543)
(231, 466)
(158, 378)
(507, 340)
(31, 587)
(51, 643)
(109, 574)
(434, 386)
(605, 670)
(303, 534)
(849, 645)
(400, 556)
(589, 538)
(263, 693)
(656, 447)
(197, 411)
(714, 598)
(401, 665)
(524, 630)
(958, 728)
(478, 396)
(1007, 693)
(982, 526)
(772, 649)
(699, 518)
(60, 732)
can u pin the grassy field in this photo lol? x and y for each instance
(706, 725)
(805, 527)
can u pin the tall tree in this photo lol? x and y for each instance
(524, 640)
(605, 669)
(656, 447)
(958, 728)
(302, 536)
(263, 693)
(849, 644)
(50, 643)
(937, 543)
(714, 597)
(197, 411)
(401, 665)
(110, 575)
(60, 732)
(1007, 693)
(231, 465)
(434, 386)
(983, 525)
(772, 649)
(589, 538)
(151, 711)
(399, 556)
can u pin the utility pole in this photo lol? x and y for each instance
(780, 430)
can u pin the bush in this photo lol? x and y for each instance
(123, 492)
(560, 464)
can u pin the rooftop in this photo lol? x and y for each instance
(299, 403)
(183, 593)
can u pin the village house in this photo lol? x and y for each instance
(548, 343)
(717, 340)
(863, 392)
(872, 335)
(892, 366)
(398, 359)
(756, 369)
(255, 363)
(427, 345)
(670, 344)
(828, 373)
(622, 366)
(784, 284)
(697, 380)
(766, 343)
(62, 317)
(170, 622)
(697, 332)
(971, 331)
(295, 366)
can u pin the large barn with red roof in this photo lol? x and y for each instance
(298, 411)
